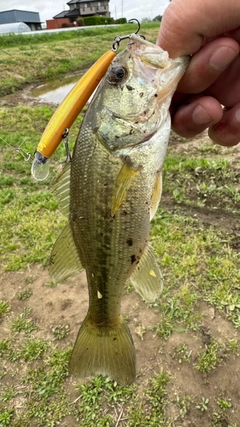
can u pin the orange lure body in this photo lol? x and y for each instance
(72, 105)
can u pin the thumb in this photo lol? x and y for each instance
(188, 24)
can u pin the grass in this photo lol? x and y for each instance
(203, 182)
(190, 344)
(50, 55)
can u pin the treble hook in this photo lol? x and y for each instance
(68, 153)
(118, 39)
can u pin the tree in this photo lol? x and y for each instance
(157, 18)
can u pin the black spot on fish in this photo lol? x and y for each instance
(124, 212)
(141, 94)
(115, 339)
(129, 87)
(156, 95)
(129, 242)
(133, 258)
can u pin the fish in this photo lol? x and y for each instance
(110, 191)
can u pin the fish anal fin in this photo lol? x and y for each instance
(104, 351)
(123, 182)
(147, 277)
(156, 195)
(64, 260)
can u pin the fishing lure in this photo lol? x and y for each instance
(66, 113)
(69, 109)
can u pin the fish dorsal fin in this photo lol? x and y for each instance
(61, 188)
(147, 277)
(122, 184)
(64, 260)
(156, 195)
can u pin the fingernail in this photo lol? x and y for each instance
(200, 116)
(222, 57)
(237, 115)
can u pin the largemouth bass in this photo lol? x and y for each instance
(115, 188)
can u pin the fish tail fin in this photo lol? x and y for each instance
(104, 350)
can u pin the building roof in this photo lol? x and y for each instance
(73, 1)
(73, 12)
(61, 14)
(16, 15)
(80, 1)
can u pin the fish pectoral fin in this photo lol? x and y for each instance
(64, 259)
(104, 351)
(123, 183)
(147, 277)
(61, 188)
(156, 195)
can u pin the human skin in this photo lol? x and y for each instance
(209, 31)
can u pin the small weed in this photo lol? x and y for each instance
(61, 331)
(6, 417)
(233, 345)
(8, 393)
(203, 405)
(224, 404)
(209, 359)
(32, 350)
(183, 353)
(5, 348)
(4, 307)
(184, 403)
(23, 323)
(164, 329)
(23, 295)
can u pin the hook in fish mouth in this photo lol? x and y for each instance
(118, 39)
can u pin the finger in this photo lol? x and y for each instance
(208, 64)
(227, 130)
(227, 87)
(185, 27)
(235, 34)
(190, 120)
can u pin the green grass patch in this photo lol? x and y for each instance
(50, 55)
(199, 181)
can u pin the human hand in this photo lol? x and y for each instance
(209, 31)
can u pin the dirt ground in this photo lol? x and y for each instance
(67, 303)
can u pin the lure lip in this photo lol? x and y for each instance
(40, 167)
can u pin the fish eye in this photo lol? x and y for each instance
(117, 75)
